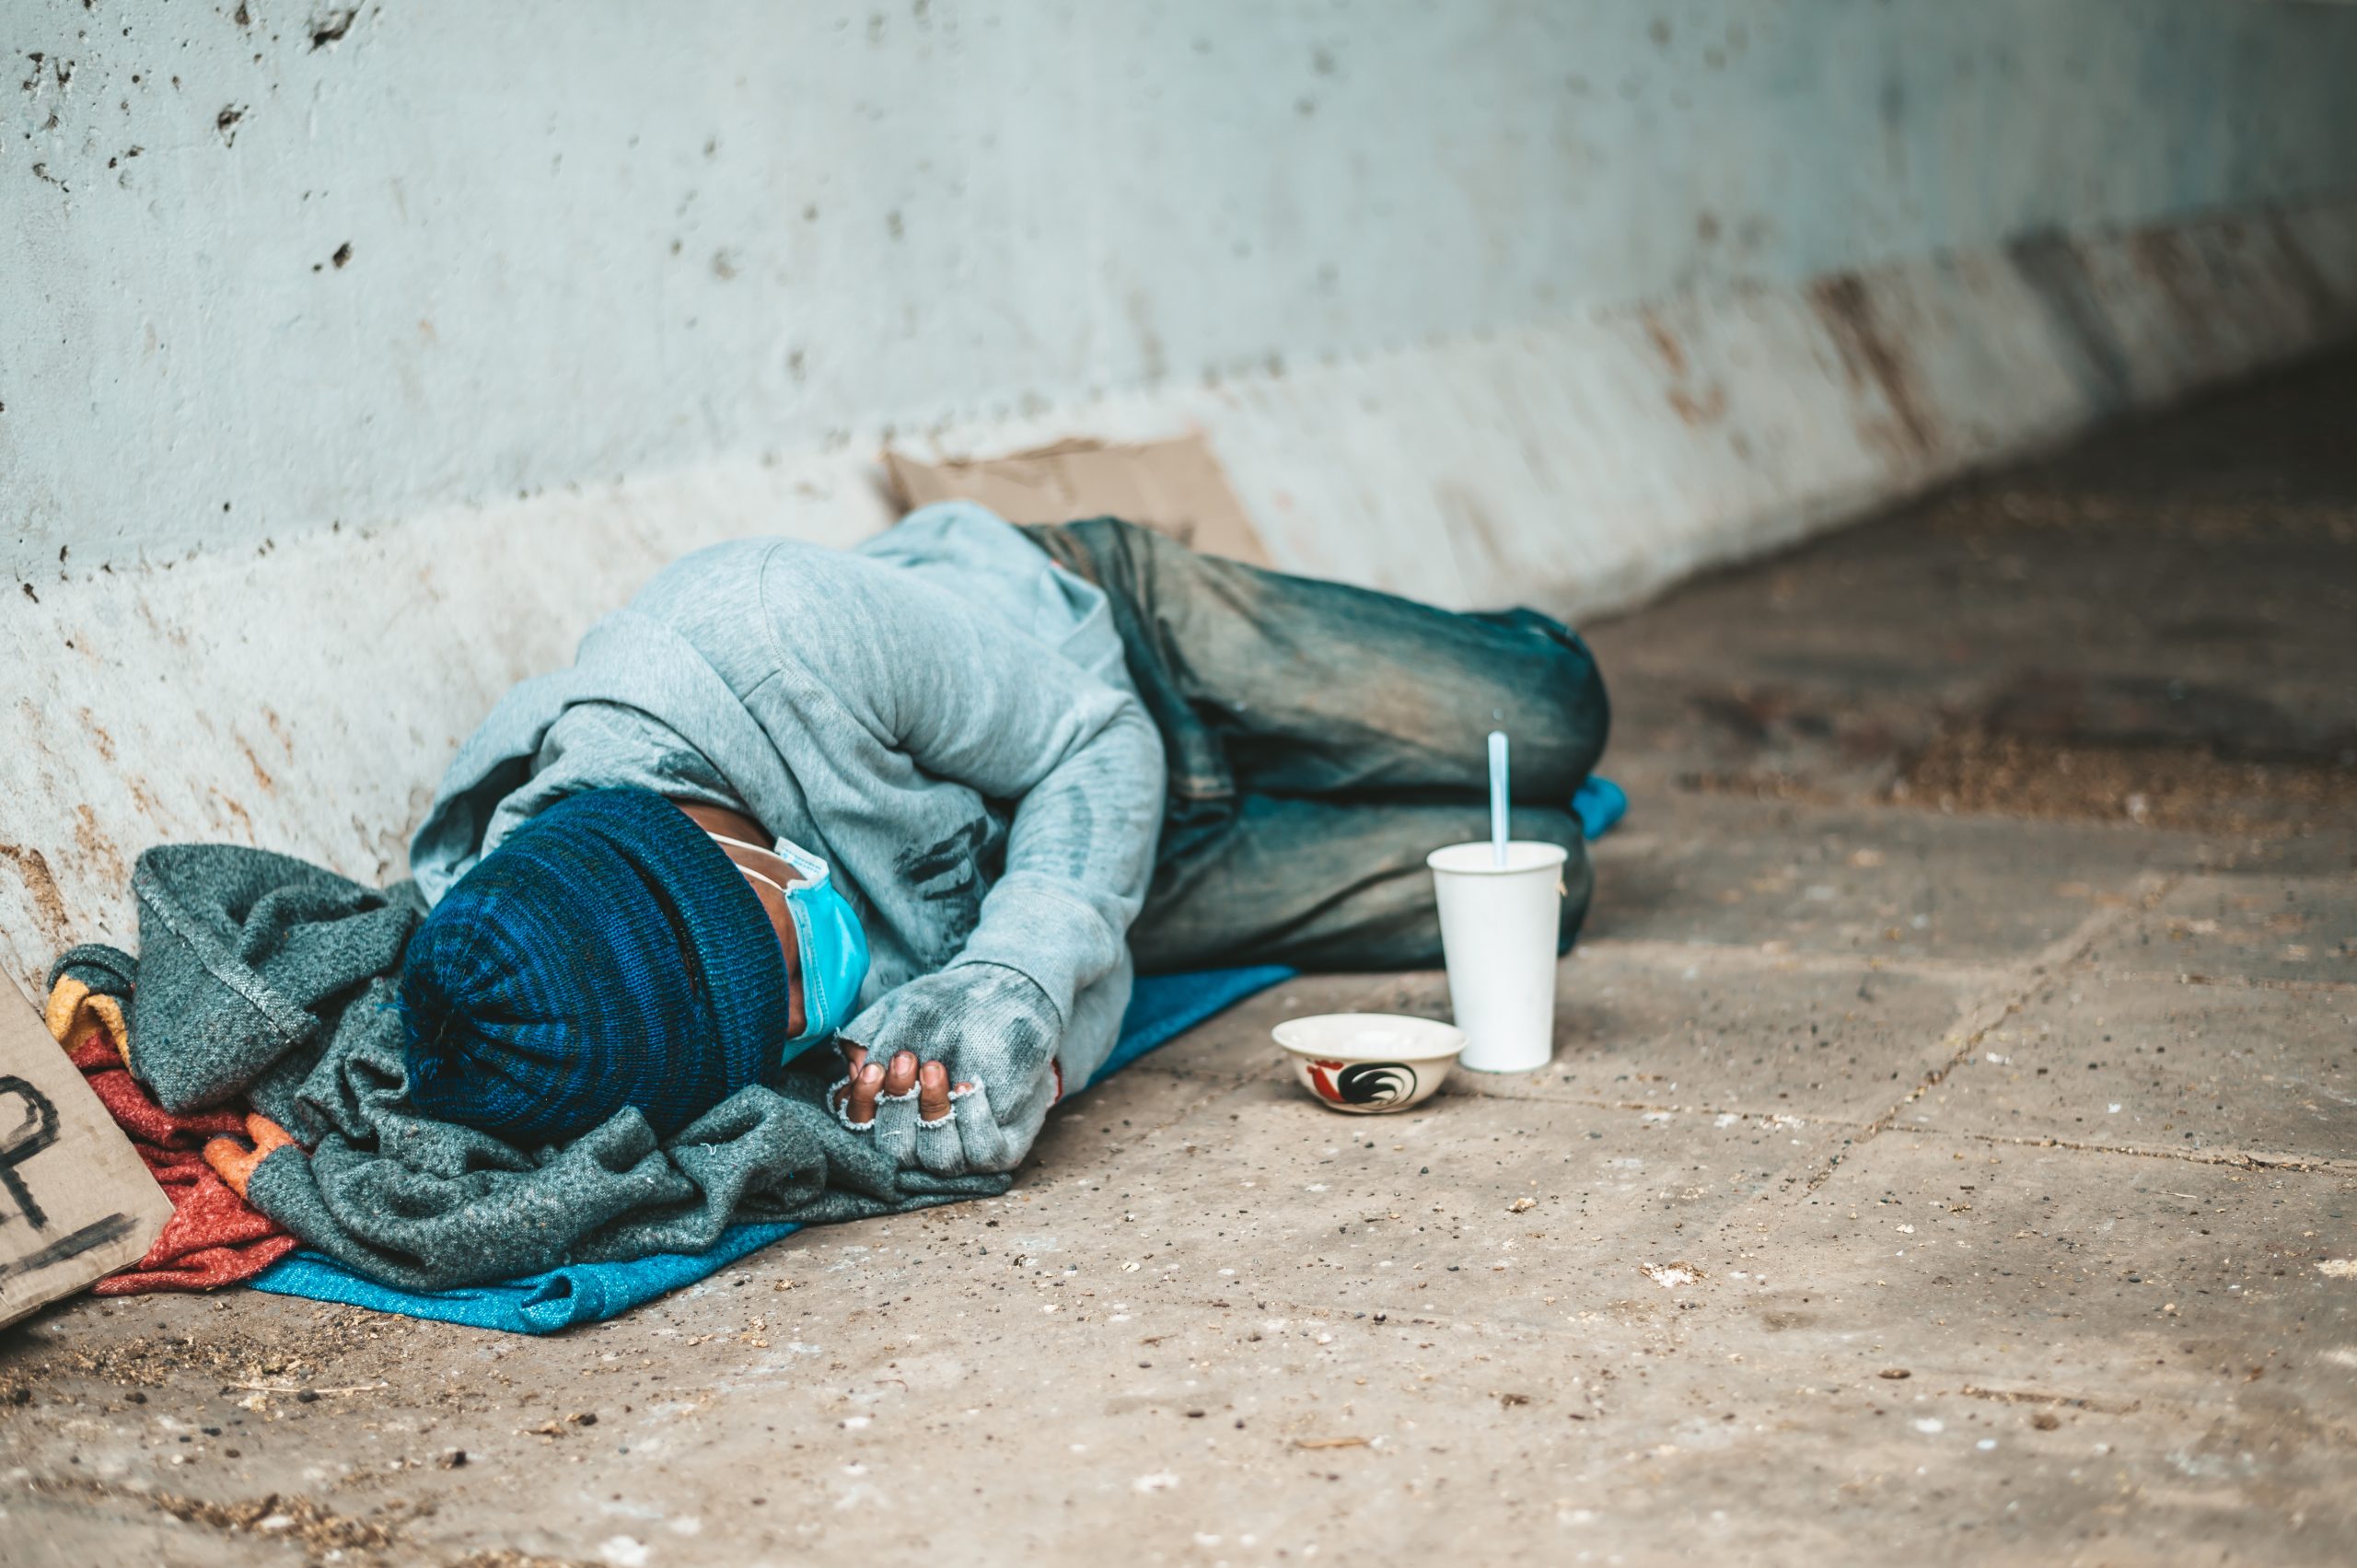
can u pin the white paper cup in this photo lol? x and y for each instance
(1497, 929)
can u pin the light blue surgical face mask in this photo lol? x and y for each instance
(833, 947)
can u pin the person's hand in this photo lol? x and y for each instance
(957, 1071)
(871, 1081)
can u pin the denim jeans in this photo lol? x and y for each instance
(1322, 740)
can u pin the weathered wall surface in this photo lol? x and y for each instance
(352, 360)
(273, 263)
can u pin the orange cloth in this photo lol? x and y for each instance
(215, 1237)
(234, 1162)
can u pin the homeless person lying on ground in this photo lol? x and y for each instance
(930, 800)
(926, 805)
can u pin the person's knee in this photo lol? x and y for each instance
(1569, 715)
(1583, 710)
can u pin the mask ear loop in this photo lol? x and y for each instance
(786, 850)
(783, 897)
(765, 881)
(739, 844)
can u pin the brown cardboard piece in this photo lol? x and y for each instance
(77, 1202)
(1175, 487)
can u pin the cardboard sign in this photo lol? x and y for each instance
(1174, 487)
(77, 1202)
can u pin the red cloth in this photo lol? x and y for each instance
(215, 1237)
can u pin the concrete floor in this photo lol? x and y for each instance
(1951, 1153)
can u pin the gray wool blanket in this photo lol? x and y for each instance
(262, 977)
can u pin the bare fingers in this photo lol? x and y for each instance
(872, 1082)
(866, 1084)
(933, 1092)
(855, 1058)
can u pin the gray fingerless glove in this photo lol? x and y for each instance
(993, 1029)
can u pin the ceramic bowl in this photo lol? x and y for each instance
(1368, 1064)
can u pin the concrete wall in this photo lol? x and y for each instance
(352, 360)
(590, 240)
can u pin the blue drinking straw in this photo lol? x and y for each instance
(1498, 799)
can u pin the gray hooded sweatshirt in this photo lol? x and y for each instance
(943, 715)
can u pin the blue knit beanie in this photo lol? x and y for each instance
(606, 954)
